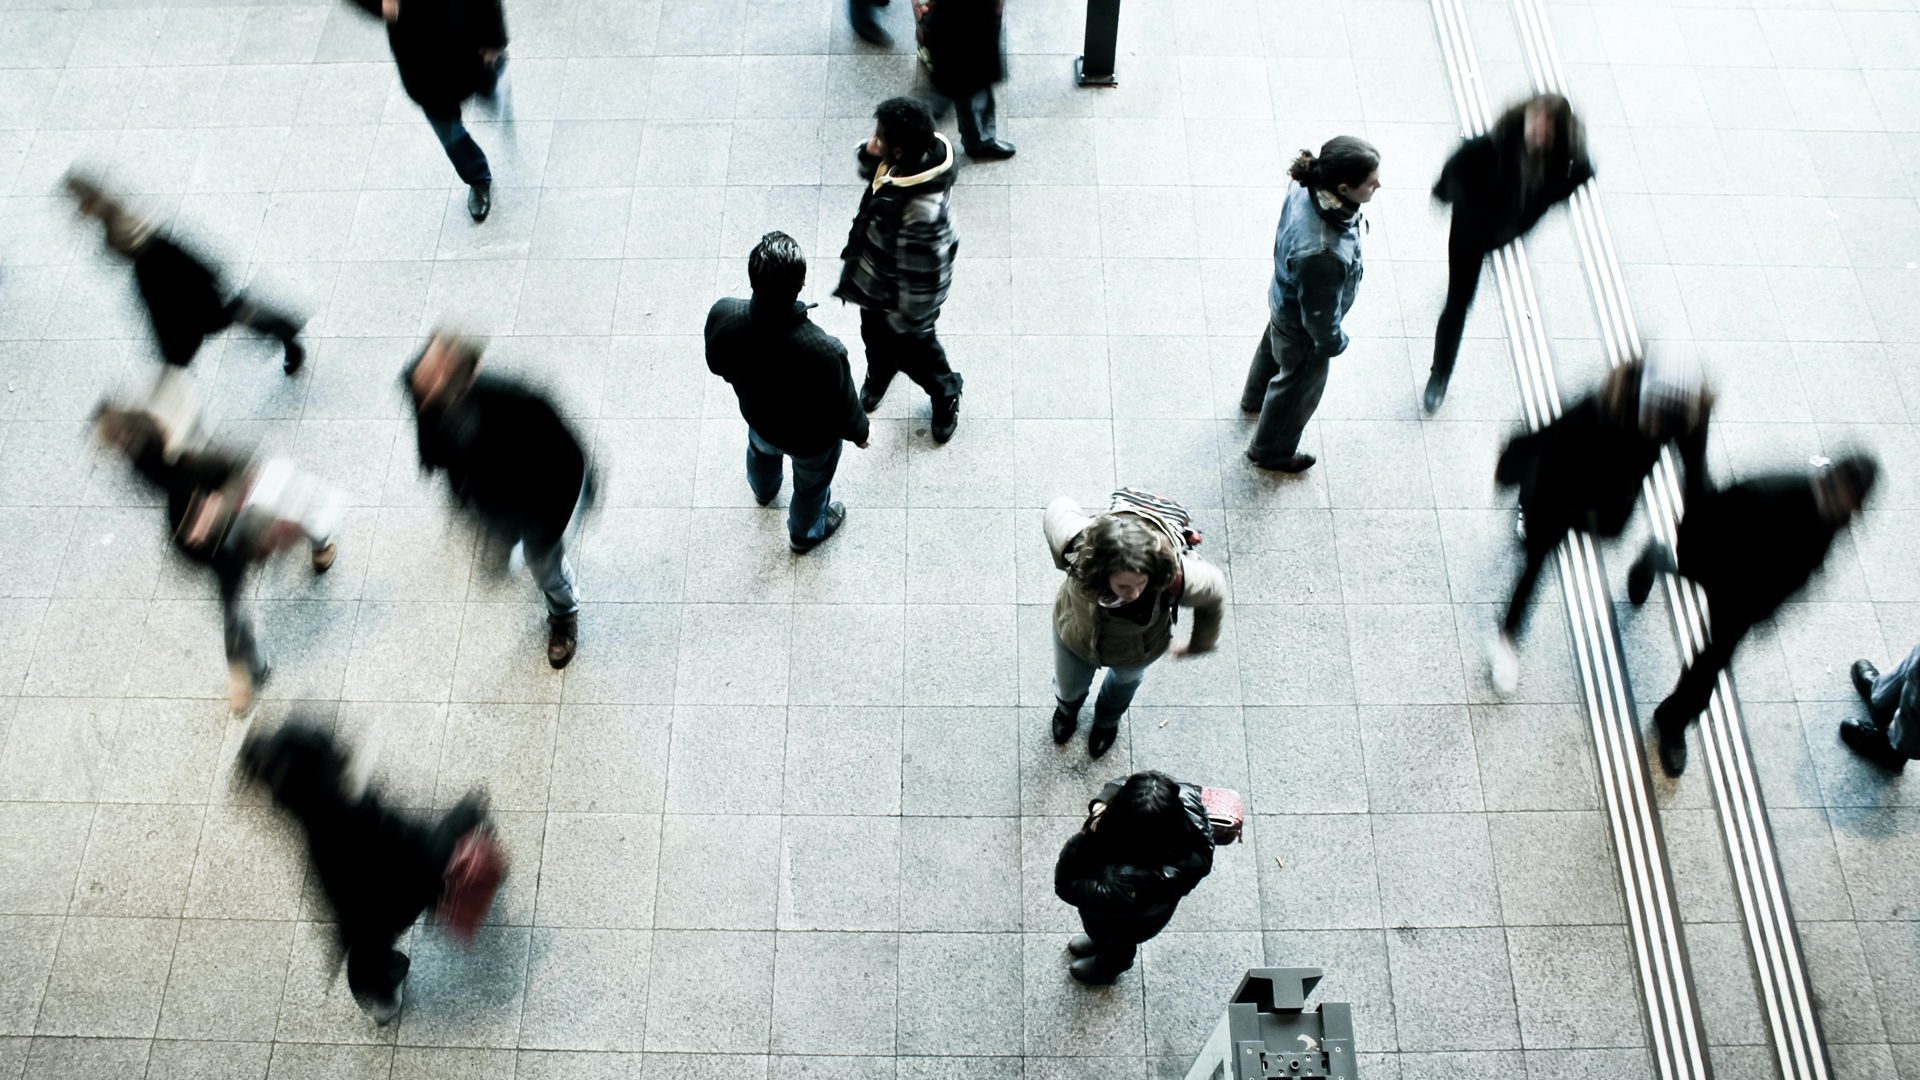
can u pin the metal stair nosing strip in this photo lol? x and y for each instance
(1676, 1040)
(1799, 1045)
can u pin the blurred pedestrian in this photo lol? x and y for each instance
(378, 868)
(1584, 470)
(511, 460)
(795, 388)
(226, 513)
(1316, 275)
(898, 262)
(183, 296)
(866, 24)
(448, 51)
(1500, 184)
(1128, 574)
(1127, 869)
(1892, 735)
(1750, 546)
(965, 56)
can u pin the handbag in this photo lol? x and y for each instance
(1226, 810)
(473, 877)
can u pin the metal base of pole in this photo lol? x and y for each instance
(1080, 76)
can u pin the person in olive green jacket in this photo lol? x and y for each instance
(1127, 574)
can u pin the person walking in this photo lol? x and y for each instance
(1891, 734)
(1316, 275)
(1500, 184)
(866, 22)
(224, 513)
(378, 868)
(1128, 574)
(795, 388)
(511, 460)
(184, 300)
(1750, 546)
(898, 262)
(448, 51)
(1584, 471)
(1127, 869)
(963, 48)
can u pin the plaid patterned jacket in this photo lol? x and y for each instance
(899, 254)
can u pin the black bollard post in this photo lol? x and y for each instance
(1095, 68)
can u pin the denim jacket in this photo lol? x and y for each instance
(1316, 271)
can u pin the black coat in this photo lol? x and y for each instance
(1584, 470)
(1486, 182)
(794, 384)
(1753, 545)
(181, 479)
(437, 43)
(964, 45)
(509, 457)
(1132, 903)
(183, 298)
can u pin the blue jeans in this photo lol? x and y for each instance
(1072, 676)
(812, 484)
(467, 157)
(1896, 695)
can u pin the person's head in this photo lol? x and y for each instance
(299, 763)
(1146, 816)
(444, 370)
(1842, 488)
(1125, 557)
(902, 132)
(777, 268)
(129, 431)
(1544, 121)
(127, 232)
(1346, 166)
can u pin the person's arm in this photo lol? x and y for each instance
(1062, 522)
(1205, 591)
(856, 428)
(1321, 279)
(719, 360)
(923, 260)
(1083, 881)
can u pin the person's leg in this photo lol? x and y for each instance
(1893, 686)
(924, 360)
(864, 23)
(1539, 546)
(467, 157)
(1072, 676)
(1292, 396)
(375, 970)
(812, 491)
(975, 115)
(1260, 372)
(1696, 685)
(1116, 693)
(763, 468)
(882, 357)
(1903, 732)
(1463, 277)
(547, 559)
(247, 669)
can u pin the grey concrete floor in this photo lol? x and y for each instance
(799, 814)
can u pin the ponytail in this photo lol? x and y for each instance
(1343, 160)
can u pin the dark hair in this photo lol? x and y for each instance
(1857, 472)
(777, 267)
(1146, 817)
(1568, 136)
(1121, 542)
(299, 763)
(906, 126)
(1343, 160)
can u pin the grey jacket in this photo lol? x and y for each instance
(1316, 271)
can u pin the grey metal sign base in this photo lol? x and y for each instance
(1266, 1032)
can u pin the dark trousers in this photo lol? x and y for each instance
(375, 969)
(1690, 694)
(467, 157)
(812, 484)
(976, 116)
(920, 356)
(1285, 383)
(1119, 939)
(1542, 538)
(1464, 257)
(861, 12)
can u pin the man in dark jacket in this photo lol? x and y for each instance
(511, 460)
(898, 262)
(1500, 184)
(795, 388)
(1750, 546)
(1146, 843)
(1892, 734)
(378, 868)
(964, 59)
(448, 51)
(183, 295)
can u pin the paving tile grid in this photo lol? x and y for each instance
(698, 888)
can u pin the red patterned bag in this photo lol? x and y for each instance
(473, 877)
(1225, 812)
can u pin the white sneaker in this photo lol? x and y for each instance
(1505, 662)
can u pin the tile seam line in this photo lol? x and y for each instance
(1675, 1032)
(1778, 966)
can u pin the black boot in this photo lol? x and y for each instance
(1871, 742)
(946, 417)
(1100, 739)
(1864, 675)
(563, 636)
(1673, 744)
(1094, 973)
(1082, 946)
(1640, 578)
(480, 201)
(1066, 719)
(871, 391)
(1436, 390)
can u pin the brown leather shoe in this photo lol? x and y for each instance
(562, 636)
(323, 558)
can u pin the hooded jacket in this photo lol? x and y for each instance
(1753, 545)
(900, 251)
(509, 456)
(1105, 639)
(1493, 201)
(794, 384)
(1316, 270)
(1128, 902)
(436, 45)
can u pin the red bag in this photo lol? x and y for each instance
(1225, 812)
(473, 877)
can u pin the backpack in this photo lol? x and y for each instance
(1169, 516)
